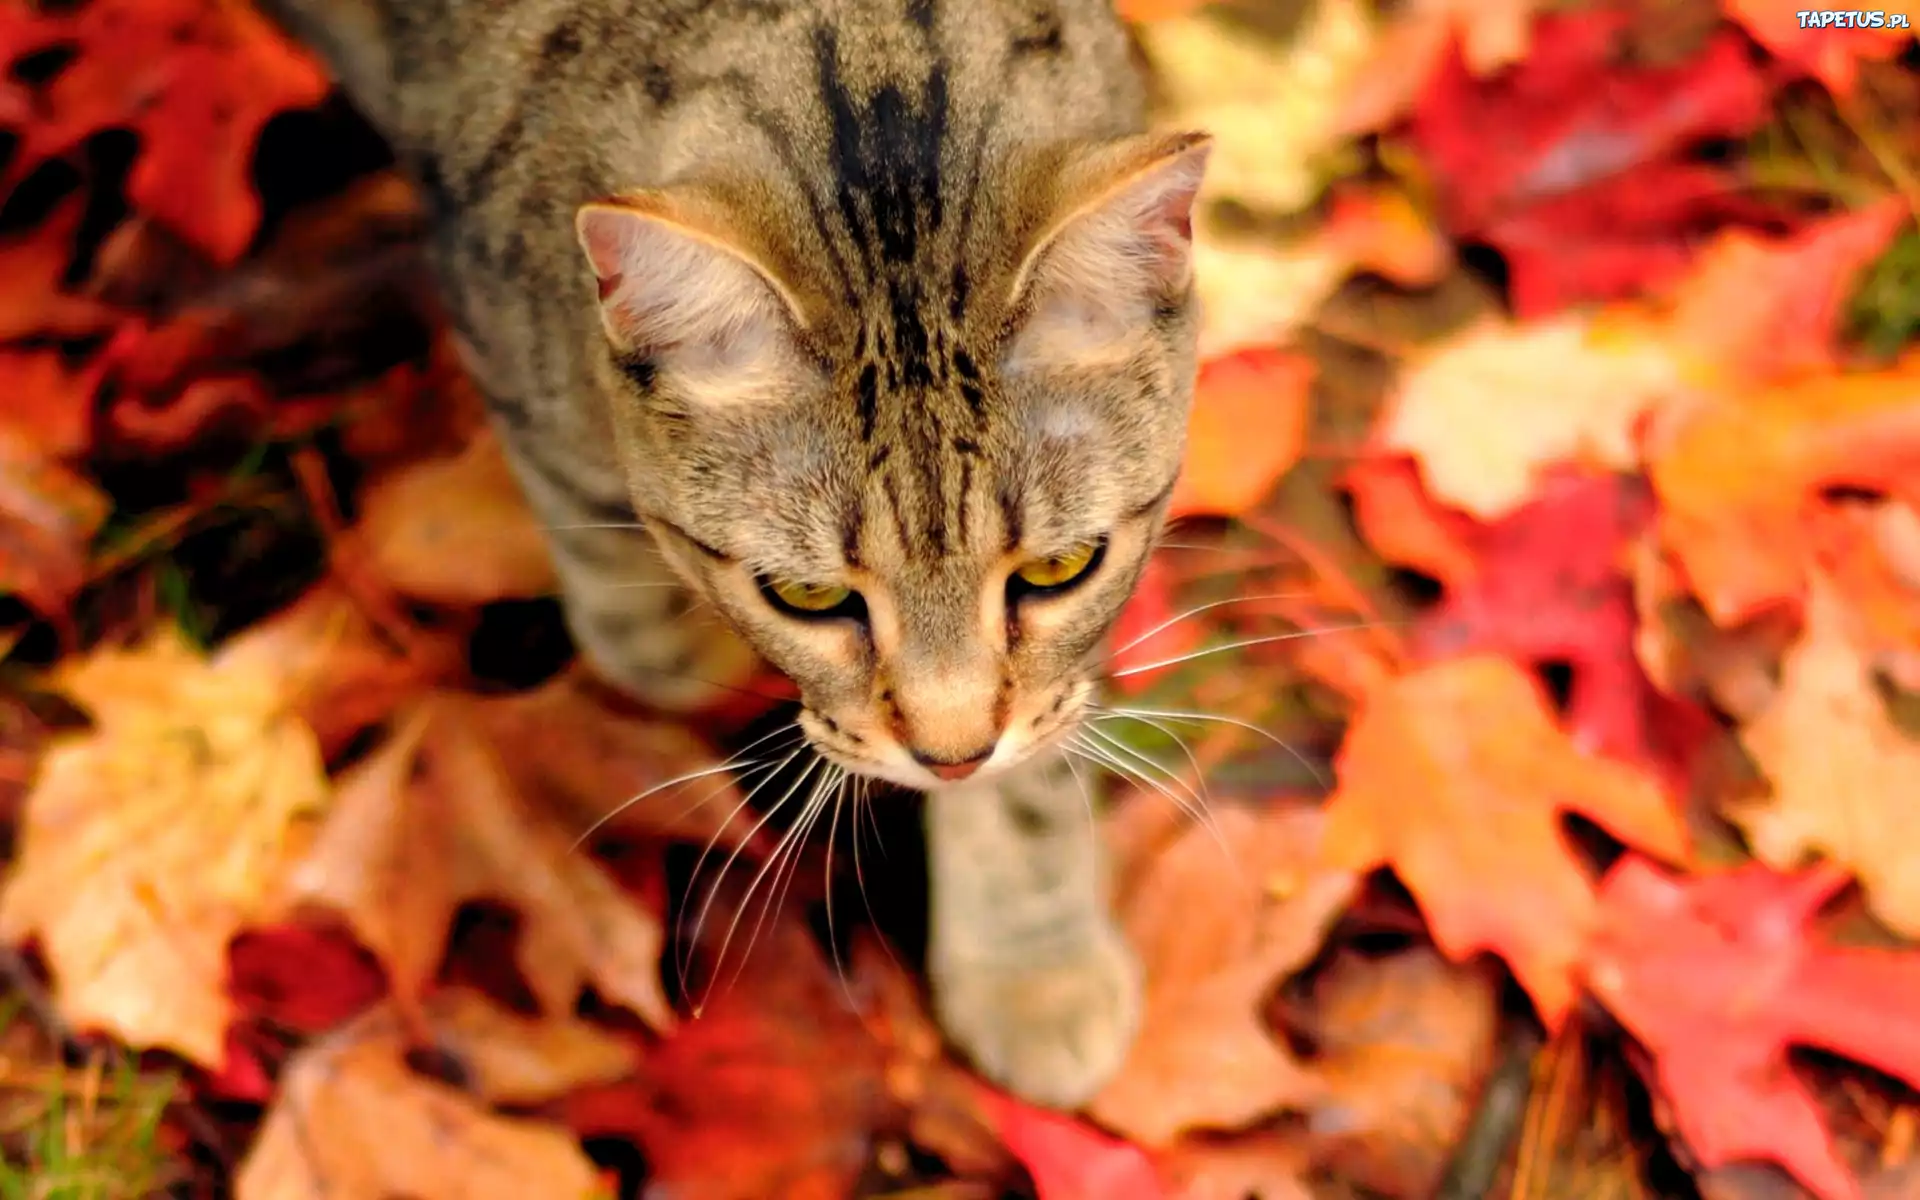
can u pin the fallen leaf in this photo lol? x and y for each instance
(149, 841)
(1255, 292)
(1383, 232)
(1414, 43)
(1830, 54)
(1068, 1160)
(1268, 104)
(432, 820)
(1870, 549)
(1455, 775)
(1734, 474)
(1249, 424)
(1148, 632)
(33, 272)
(353, 1117)
(456, 531)
(48, 518)
(197, 78)
(1842, 772)
(1580, 168)
(1551, 589)
(1488, 411)
(1263, 1166)
(1405, 525)
(775, 1078)
(1219, 917)
(1717, 977)
(1756, 308)
(1402, 1045)
(49, 400)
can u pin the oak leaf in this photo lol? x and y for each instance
(1842, 772)
(1489, 410)
(1249, 424)
(149, 841)
(1735, 472)
(1754, 308)
(1456, 775)
(1219, 917)
(456, 530)
(197, 78)
(1718, 976)
(433, 820)
(48, 518)
(355, 1118)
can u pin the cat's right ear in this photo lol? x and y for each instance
(680, 292)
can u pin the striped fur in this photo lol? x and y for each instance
(889, 294)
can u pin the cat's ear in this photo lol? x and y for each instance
(678, 288)
(1121, 243)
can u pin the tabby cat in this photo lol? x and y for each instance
(877, 314)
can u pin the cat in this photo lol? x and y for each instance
(871, 323)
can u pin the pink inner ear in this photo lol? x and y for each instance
(606, 235)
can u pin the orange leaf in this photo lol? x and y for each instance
(48, 516)
(1456, 775)
(1832, 55)
(1215, 938)
(1249, 425)
(1734, 476)
(1404, 525)
(48, 401)
(1758, 307)
(1154, 10)
(197, 78)
(32, 270)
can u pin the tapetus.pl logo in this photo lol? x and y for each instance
(1841, 18)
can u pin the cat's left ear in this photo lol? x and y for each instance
(1122, 242)
(679, 286)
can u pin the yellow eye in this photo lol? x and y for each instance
(1057, 570)
(808, 597)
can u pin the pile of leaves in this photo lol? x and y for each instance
(1520, 725)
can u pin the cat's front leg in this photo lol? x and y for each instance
(1031, 978)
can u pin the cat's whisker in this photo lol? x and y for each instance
(1199, 772)
(1203, 802)
(676, 781)
(1196, 610)
(833, 934)
(863, 801)
(772, 863)
(568, 528)
(1134, 774)
(1086, 798)
(700, 919)
(1197, 800)
(781, 863)
(1241, 644)
(1173, 714)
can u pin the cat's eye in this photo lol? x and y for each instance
(1057, 571)
(812, 599)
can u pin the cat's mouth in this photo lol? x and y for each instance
(1044, 726)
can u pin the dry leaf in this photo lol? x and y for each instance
(1403, 1045)
(353, 1119)
(148, 842)
(1489, 410)
(48, 517)
(433, 820)
(1219, 917)
(456, 530)
(1456, 776)
(1843, 774)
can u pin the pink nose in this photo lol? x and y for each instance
(953, 772)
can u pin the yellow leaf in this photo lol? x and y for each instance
(149, 841)
(1843, 774)
(1486, 412)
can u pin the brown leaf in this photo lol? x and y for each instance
(48, 516)
(148, 842)
(1404, 1043)
(1219, 917)
(432, 820)
(353, 1119)
(456, 531)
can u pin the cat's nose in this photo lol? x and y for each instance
(950, 770)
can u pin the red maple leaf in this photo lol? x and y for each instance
(1549, 588)
(1718, 976)
(196, 78)
(1576, 168)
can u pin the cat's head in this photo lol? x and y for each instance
(920, 474)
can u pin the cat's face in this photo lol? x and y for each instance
(928, 514)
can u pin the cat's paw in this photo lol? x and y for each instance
(1052, 1032)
